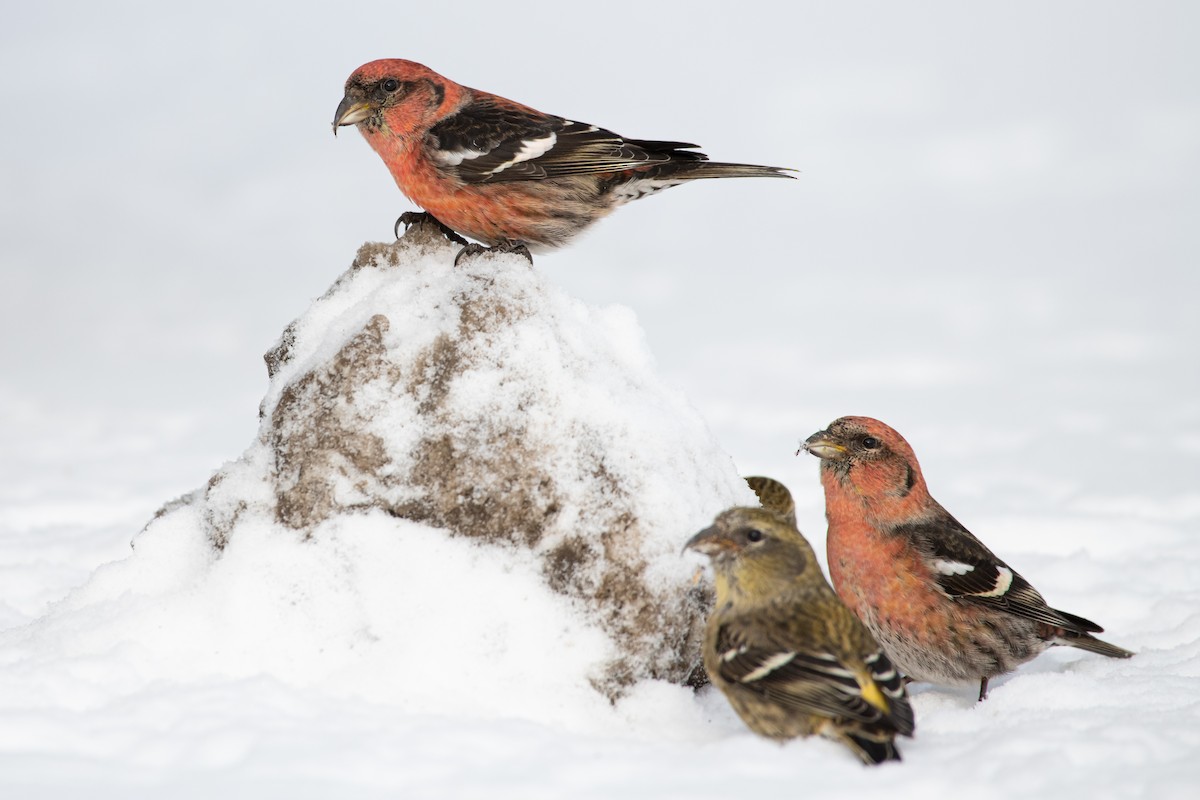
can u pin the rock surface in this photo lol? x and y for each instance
(482, 401)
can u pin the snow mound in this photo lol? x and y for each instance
(468, 494)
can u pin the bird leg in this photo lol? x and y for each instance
(983, 682)
(410, 218)
(509, 246)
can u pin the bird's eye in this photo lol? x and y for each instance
(390, 85)
(754, 535)
(870, 442)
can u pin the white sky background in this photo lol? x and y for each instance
(992, 244)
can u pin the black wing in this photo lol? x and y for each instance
(490, 142)
(967, 570)
(816, 682)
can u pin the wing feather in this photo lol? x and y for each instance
(965, 569)
(489, 141)
(817, 682)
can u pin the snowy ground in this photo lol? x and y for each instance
(992, 246)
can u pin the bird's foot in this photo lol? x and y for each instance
(472, 249)
(983, 682)
(410, 218)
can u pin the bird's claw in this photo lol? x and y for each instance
(473, 249)
(410, 218)
(469, 251)
(518, 248)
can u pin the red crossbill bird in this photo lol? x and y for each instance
(788, 655)
(943, 606)
(501, 172)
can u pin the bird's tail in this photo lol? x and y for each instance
(774, 496)
(1085, 641)
(696, 170)
(872, 749)
(1079, 634)
(685, 162)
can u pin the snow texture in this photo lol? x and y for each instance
(460, 470)
(454, 546)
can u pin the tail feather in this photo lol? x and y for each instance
(655, 178)
(1085, 641)
(774, 496)
(696, 170)
(871, 749)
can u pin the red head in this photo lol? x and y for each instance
(395, 96)
(865, 459)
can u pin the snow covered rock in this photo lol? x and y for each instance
(480, 401)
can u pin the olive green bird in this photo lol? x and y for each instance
(788, 655)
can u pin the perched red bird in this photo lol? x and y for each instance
(943, 606)
(504, 173)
